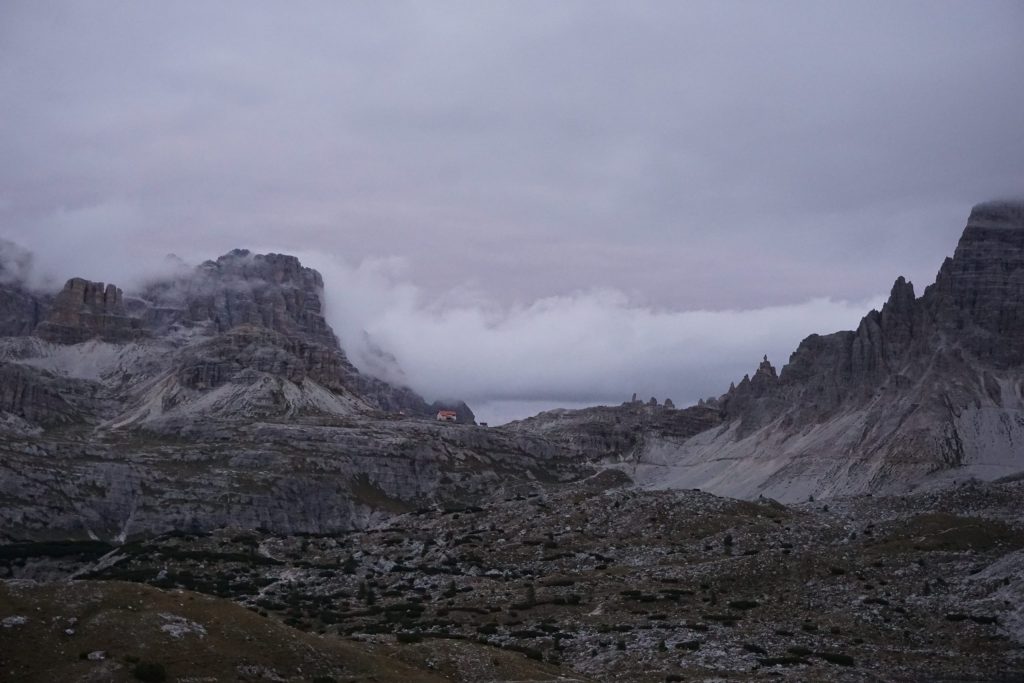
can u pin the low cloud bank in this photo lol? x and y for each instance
(511, 361)
(588, 347)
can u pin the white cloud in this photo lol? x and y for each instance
(588, 347)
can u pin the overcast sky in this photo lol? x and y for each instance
(533, 200)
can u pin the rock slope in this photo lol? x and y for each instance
(928, 390)
(609, 583)
(220, 396)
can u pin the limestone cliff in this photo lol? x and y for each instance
(220, 396)
(928, 389)
(86, 310)
(238, 337)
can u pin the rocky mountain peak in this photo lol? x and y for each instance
(280, 269)
(997, 214)
(928, 385)
(239, 338)
(765, 371)
(976, 305)
(85, 310)
(274, 291)
(901, 296)
(978, 296)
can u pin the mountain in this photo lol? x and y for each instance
(215, 396)
(242, 336)
(927, 391)
(219, 395)
(294, 519)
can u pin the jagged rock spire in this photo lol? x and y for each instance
(86, 310)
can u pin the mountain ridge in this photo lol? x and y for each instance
(927, 389)
(241, 303)
(220, 396)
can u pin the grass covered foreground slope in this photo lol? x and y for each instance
(118, 631)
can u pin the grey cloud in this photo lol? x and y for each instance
(584, 348)
(15, 263)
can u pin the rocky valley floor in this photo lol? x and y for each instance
(596, 581)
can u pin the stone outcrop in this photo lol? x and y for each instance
(247, 347)
(274, 291)
(86, 310)
(747, 398)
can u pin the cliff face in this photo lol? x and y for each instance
(978, 298)
(34, 398)
(925, 390)
(86, 310)
(273, 291)
(240, 336)
(220, 396)
(289, 477)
